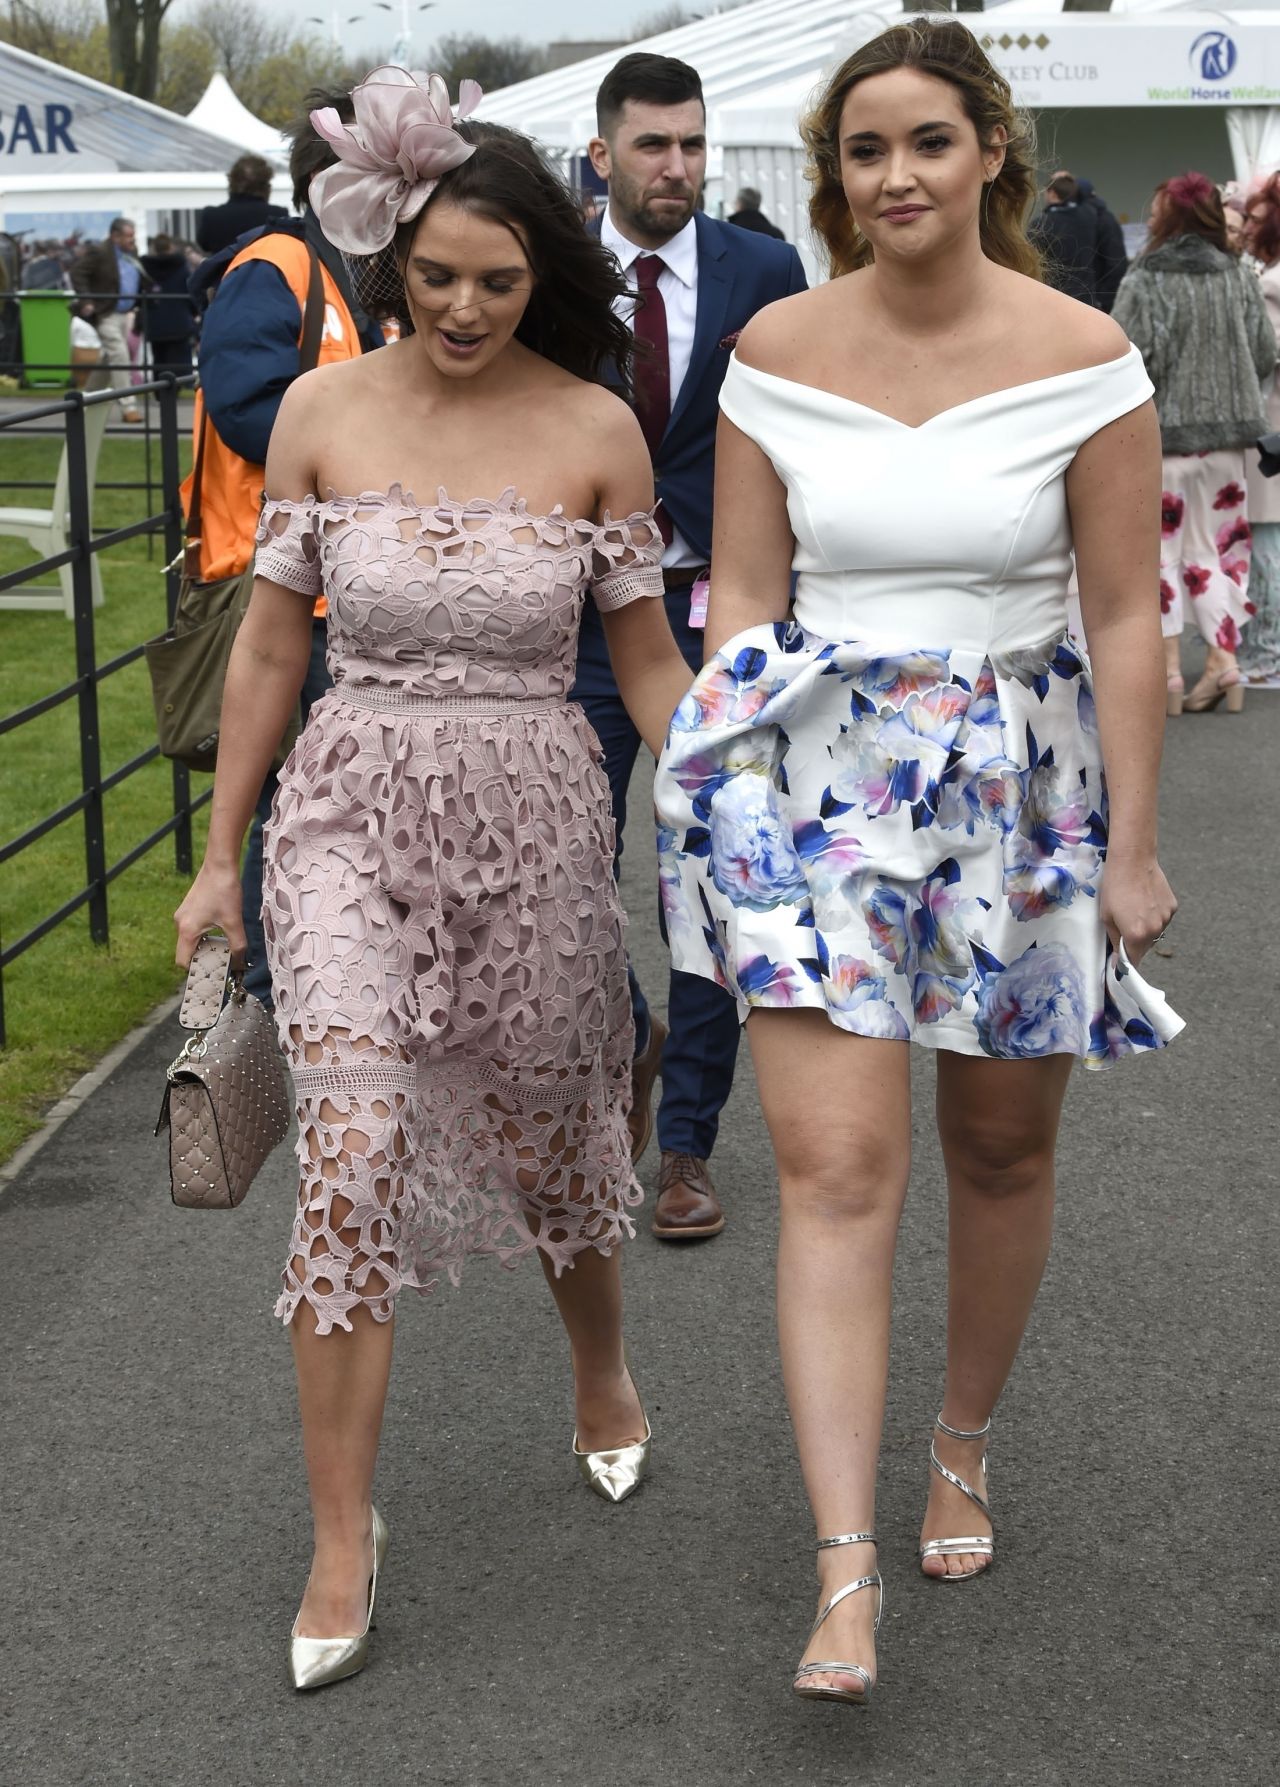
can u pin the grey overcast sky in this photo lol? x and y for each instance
(536, 20)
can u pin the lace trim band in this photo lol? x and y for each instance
(385, 1076)
(282, 568)
(622, 587)
(384, 699)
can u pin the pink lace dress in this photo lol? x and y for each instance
(443, 928)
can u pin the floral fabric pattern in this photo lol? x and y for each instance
(444, 932)
(913, 843)
(1206, 546)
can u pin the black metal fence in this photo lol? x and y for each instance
(83, 689)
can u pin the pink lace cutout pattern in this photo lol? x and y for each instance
(445, 936)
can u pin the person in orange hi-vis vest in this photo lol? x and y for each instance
(250, 353)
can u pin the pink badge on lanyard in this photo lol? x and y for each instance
(698, 597)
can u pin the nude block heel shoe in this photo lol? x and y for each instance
(1174, 690)
(315, 1662)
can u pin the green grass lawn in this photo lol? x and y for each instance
(68, 1000)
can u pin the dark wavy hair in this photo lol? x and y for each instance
(570, 318)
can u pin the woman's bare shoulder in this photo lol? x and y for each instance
(779, 338)
(1060, 332)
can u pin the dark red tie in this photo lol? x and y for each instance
(652, 365)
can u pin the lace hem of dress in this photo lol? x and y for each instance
(384, 1208)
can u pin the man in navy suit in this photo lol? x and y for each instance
(697, 283)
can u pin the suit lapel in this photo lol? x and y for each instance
(715, 284)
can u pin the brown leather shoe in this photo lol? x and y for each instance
(644, 1071)
(688, 1209)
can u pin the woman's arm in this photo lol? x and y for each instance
(752, 547)
(651, 674)
(264, 676)
(1113, 491)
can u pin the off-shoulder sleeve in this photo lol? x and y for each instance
(287, 546)
(627, 561)
(740, 399)
(1117, 387)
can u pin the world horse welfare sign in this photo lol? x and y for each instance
(1191, 59)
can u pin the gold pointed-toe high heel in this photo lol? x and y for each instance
(618, 1472)
(315, 1662)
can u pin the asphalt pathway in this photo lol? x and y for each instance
(155, 1520)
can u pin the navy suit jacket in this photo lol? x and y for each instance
(738, 274)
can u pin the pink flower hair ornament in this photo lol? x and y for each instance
(390, 158)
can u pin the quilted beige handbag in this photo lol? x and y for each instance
(226, 1104)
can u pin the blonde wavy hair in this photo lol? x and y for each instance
(949, 52)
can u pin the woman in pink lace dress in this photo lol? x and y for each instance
(443, 927)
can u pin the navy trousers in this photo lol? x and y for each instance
(698, 1060)
(257, 979)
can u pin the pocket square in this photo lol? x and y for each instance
(731, 341)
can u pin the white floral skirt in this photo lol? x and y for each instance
(913, 844)
(1205, 546)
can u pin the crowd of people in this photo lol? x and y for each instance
(888, 778)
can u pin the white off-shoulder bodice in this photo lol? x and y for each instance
(955, 532)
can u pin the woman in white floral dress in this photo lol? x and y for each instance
(884, 818)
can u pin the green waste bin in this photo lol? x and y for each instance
(46, 338)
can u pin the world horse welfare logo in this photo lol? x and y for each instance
(1213, 55)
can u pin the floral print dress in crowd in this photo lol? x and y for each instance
(891, 807)
(443, 928)
(1206, 546)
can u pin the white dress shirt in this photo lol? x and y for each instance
(678, 285)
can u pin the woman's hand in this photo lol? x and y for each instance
(214, 903)
(1137, 902)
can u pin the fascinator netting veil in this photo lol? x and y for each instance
(391, 158)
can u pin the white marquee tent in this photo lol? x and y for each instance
(1128, 96)
(220, 110)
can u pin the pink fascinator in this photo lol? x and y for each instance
(390, 158)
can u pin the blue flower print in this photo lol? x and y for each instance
(886, 763)
(887, 682)
(1035, 1006)
(762, 982)
(855, 989)
(1034, 665)
(923, 935)
(753, 860)
(1054, 852)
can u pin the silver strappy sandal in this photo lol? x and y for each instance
(809, 1669)
(979, 1545)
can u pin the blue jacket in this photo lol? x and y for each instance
(249, 341)
(738, 274)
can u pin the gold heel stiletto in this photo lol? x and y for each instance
(618, 1472)
(846, 1696)
(315, 1662)
(980, 1546)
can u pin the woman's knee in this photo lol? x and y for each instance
(866, 1180)
(999, 1153)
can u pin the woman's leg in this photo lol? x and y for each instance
(342, 1388)
(998, 1122)
(588, 1295)
(838, 1111)
(355, 1141)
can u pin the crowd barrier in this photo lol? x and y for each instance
(81, 552)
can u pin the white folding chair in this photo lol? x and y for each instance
(48, 530)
